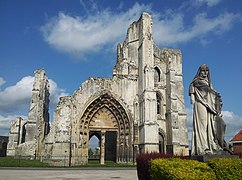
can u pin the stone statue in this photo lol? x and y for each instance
(208, 125)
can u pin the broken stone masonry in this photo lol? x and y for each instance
(27, 136)
(140, 109)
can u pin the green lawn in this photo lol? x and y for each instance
(15, 162)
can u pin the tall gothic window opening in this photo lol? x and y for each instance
(158, 99)
(161, 143)
(157, 75)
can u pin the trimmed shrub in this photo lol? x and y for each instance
(178, 169)
(143, 163)
(227, 168)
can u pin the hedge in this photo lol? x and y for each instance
(178, 169)
(143, 163)
(227, 168)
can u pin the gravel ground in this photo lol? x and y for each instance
(67, 173)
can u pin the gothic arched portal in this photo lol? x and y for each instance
(107, 117)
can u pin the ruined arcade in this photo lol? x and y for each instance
(140, 109)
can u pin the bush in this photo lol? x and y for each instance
(227, 168)
(178, 169)
(143, 163)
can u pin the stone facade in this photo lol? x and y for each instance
(140, 109)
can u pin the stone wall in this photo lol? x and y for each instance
(15, 135)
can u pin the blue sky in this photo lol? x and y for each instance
(74, 40)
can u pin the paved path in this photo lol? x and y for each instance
(67, 173)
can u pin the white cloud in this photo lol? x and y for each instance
(17, 97)
(78, 35)
(55, 92)
(209, 3)
(5, 122)
(196, 4)
(233, 124)
(172, 29)
(2, 81)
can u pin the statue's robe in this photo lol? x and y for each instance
(204, 135)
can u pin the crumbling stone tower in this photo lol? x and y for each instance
(159, 109)
(31, 133)
(39, 111)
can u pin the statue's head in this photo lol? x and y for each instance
(204, 67)
(203, 71)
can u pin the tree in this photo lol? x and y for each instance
(90, 152)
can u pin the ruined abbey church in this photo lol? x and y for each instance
(140, 109)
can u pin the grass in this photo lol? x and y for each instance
(16, 162)
(10, 161)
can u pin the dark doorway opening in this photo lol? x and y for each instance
(161, 144)
(110, 145)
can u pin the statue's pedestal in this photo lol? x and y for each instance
(207, 157)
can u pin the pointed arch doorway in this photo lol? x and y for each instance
(107, 117)
(94, 146)
(106, 150)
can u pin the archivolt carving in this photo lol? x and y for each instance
(106, 106)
